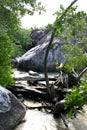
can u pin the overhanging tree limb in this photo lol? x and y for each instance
(48, 47)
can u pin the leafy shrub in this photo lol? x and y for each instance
(22, 42)
(5, 63)
(76, 99)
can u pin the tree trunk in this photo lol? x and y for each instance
(48, 48)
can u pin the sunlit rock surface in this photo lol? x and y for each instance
(34, 58)
(37, 120)
(11, 110)
(5, 101)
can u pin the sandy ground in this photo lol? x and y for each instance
(37, 120)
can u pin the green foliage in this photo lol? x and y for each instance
(20, 7)
(5, 64)
(10, 13)
(71, 27)
(71, 23)
(75, 58)
(76, 99)
(22, 42)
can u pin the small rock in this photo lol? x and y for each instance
(33, 73)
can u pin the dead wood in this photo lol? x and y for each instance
(67, 80)
(33, 78)
(29, 92)
(40, 107)
(58, 90)
(59, 107)
(81, 74)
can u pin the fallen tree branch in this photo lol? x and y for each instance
(40, 107)
(33, 78)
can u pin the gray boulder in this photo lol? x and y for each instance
(34, 58)
(11, 110)
(38, 34)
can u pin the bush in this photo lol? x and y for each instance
(22, 42)
(76, 99)
(5, 63)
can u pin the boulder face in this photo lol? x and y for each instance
(11, 110)
(38, 34)
(34, 58)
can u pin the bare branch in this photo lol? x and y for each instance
(81, 74)
(39, 107)
(73, 2)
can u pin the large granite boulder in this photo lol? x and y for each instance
(11, 110)
(34, 58)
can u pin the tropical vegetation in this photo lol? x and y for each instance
(70, 27)
(10, 14)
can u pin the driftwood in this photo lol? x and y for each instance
(40, 107)
(38, 90)
(61, 85)
(30, 92)
(33, 78)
